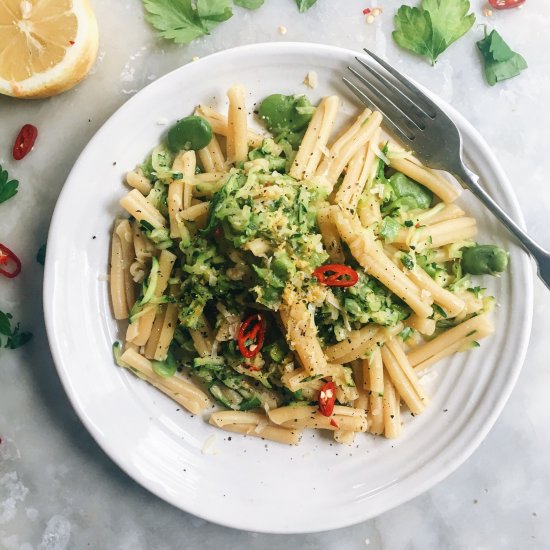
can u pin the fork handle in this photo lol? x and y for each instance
(541, 256)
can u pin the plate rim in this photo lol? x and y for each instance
(451, 465)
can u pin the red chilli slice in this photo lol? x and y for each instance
(327, 397)
(10, 264)
(251, 335)
(24, 141)
(506, 4)
(336, 275)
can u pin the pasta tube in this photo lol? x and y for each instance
(370, 255)
(445, 190)
(330, 236)
(141, 209)
(181, 391)
(315, 139)
(302, 337)
(391, 410)
(254, 424)
(408, 388)
(237, 142)
(220, 125)
(450, 341)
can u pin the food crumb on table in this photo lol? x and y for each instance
(311, 80)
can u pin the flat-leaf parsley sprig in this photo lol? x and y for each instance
(304, 5)
(430, 29)
(182, 21)
(185, 20)
(15, 337)
(8, 188)
(500, 61)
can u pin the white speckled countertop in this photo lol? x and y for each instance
(58, 490)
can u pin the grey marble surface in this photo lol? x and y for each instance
(58, 489)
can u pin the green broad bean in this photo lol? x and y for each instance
(407, 194)
(485, 259)
(287, 116)
(166, 368)
(189, 134)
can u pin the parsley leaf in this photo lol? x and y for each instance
(477, 291)
(406, 333)
(429, 30)
(8, 188)
(16, 338)
(41, 255)
(213, 12)
(183, 21)
(500, 61)
(413, 31)
(440, 311)
(249, 4)
(5, 326)
(407, 261)
(450, 19)
(304, 5)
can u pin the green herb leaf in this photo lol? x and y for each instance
(450, 19)
(184, 21)
(213, 12)
(145, 226)
(304, 5)
(249, 4)
(414, 31)
(407, 261)
(406, 333)
(5, 326)
(440, 311)
(41, 255)
(477, 291)
(500, 61)
(428, 31)
(16, 338)
(8, 188)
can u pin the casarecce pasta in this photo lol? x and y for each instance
(299, 279)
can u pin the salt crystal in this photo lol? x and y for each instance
(57, 534)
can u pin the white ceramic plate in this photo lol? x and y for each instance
(245, 482)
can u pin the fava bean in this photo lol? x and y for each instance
(189, 134)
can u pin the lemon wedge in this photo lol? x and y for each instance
(46, 46)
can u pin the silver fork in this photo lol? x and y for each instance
(424, 128)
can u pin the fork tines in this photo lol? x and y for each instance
(406, 109)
